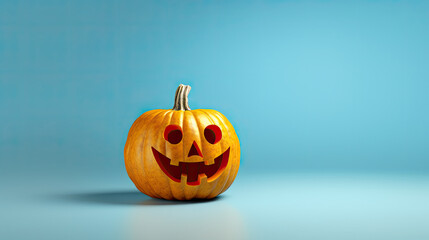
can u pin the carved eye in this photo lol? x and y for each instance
(173, 134)
(213, 134)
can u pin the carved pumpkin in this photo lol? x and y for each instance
(182, 153)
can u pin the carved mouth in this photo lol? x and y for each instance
(193, 171)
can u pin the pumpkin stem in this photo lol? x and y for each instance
(181, 98)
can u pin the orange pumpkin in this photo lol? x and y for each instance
(182, 153)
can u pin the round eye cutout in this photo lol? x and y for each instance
(173, 134)
(213, 134)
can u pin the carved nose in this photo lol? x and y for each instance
(195, 150)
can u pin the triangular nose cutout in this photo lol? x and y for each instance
(195, 150)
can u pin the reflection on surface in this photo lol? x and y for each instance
(293, 206)
(209, 220)
(150, 218)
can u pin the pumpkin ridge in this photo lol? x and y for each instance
(213, 122)
(214, 113)
(137, 179)
(237, 149)
(167, 119)
(182, 184)
(148, 127)
(191, 192)
(209, 116)
(201, 148)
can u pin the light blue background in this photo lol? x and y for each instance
(327, 89)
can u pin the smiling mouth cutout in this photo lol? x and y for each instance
(193, 171)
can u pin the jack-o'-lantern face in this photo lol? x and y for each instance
(182, 153)
(196, 166)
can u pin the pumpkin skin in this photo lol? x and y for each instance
(204, 160)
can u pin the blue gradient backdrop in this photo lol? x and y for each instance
(310, 86)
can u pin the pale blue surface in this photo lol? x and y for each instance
(331, 98)
(259, 206)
